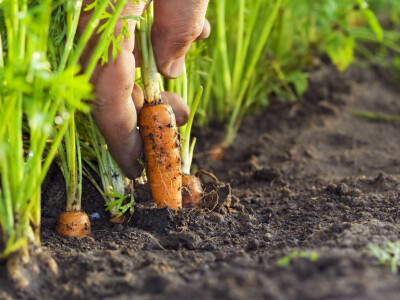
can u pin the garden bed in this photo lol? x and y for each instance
(305, 176)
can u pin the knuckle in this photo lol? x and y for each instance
(187, 36)
(180, 35)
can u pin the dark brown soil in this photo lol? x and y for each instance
(306, 176)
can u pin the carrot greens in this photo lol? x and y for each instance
(264, 52)
(33, 95)
(41, 88)
(181, 86)
(117, 189)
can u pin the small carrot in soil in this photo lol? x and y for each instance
(157, 127)
(192, 190)
(73, 223)
(217, 152)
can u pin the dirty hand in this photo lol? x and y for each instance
(177, 24)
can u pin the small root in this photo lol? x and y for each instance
(206, 173)
(216, 196)
(155, 240)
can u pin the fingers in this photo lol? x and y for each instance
(137, 97)
(118, 99)
(180, 108)
(206, 31)
(113, 108)
(178, 23)
(115, 112)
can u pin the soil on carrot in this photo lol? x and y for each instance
(306, 176)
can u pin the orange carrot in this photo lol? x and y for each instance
(73, 223)
(157, 127)
(192, 191)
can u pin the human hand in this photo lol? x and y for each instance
(177, 24)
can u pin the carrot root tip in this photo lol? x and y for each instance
(118, 220)
(192, 191)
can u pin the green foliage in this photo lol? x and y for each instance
(236, 70)
(251, 60)
(33, 98)
(120, 205)
(42, 85)
(396, 62)
(181, 86)
(96, 155)
(390, 256)
(285, 261)
(375, 117)
(388, 8)
(340, 49)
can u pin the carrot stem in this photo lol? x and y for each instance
(73, 25)
(187, 147)
(240, 90)
(150, 76)
(1, 54)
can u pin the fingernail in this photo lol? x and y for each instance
(176, 67)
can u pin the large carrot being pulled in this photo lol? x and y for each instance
(157, 127)
(160, 138)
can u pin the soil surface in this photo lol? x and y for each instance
(307, 176)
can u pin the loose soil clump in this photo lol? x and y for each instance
(308, 176)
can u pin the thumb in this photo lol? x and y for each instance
(177, 24)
